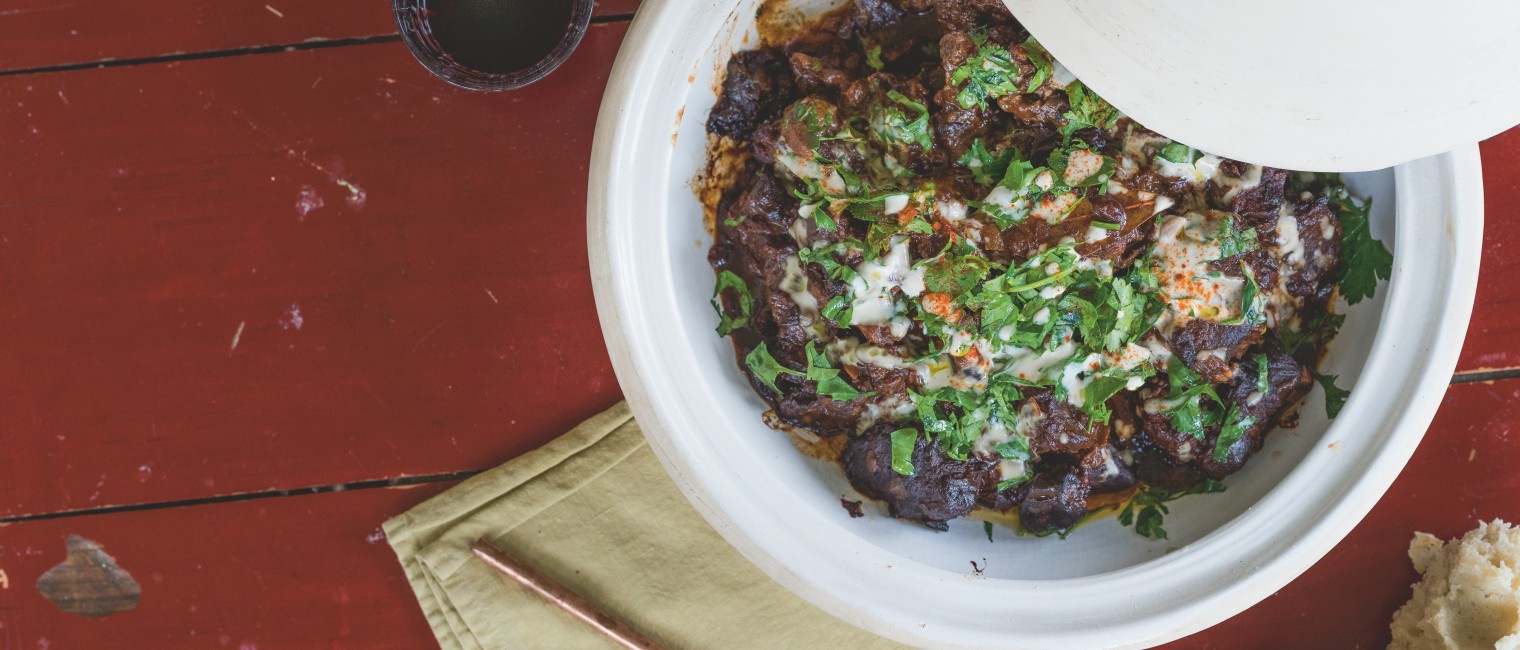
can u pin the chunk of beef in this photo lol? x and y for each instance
(1057, 427)
(1287, 382)
(1107, 471)
(1155, 467)
(757, 86)
(940, 489)
(967, 15)
(1207, 347)
(1044, 107)
(1259, 204)
(1121, 246)
(821, 414)
(1308, 255)
(1057, 498)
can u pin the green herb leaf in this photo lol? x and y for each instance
(729, 281)
(1042, 61)
(1313, 333)
(1235, 425)
(1087, 110)
(873, 57)
(987, 528)
(766, 367)
(985, 167)
(1364, 259)
(1335, 396)
(903, 441)
(1147, 509)
(892, 126)
(1263, 373)
(827, 376)
(955, 275)
(1250, 303)
(986, 75)
(1234, 242)
(840, 309)
(1187, 391)
(1177, 152)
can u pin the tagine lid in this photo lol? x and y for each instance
(1321, 85)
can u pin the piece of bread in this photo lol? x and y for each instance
(1469, 596)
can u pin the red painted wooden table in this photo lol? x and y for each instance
(265, 283)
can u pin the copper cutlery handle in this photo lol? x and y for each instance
(561, 597)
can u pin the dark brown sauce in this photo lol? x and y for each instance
(499, 36)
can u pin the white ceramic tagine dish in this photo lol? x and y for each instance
(1104, 586)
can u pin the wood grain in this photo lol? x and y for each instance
(1493, 339)
(292, 269)
(300, 572)
(43, 33)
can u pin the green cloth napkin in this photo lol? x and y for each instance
(594, 511)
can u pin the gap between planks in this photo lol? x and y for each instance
(1459, 378)
(243, 51)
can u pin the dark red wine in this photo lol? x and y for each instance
(498, 36)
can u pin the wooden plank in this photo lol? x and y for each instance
(292, 269)
(41, 33)
(1463, 472)
(298, 572)
(1493, 339)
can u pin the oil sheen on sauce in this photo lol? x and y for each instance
(498, 36)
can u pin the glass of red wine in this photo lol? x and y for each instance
(492, 45)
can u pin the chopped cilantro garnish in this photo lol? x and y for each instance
(987, 75)
(893, 126)
(1335, 396)
(729, 281)
(1314, 333)
(985, 167)
(827, 376)
(1364, 259)
(873, 57)
(955, 275)
(903, 441)
(1234, 242)
(1042, 61)
(1177, 152)
(987, 528)
(824, 257)
(1236, 424)
(1148, 507)
(1250, 301)
(1087, 110)
(1185, 400)
(766, 367)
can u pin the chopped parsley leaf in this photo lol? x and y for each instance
(1335, 396)
(729, 281)
(766, 367)
(873, 57)
(1236, 424)
(1042, 61)
(987, 75)
(827, 376)
(1234, 242)
(985, 167)
(1148, 507)
(1364, 259)
(1250, 301)
(1087, 110)
(903, 441)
